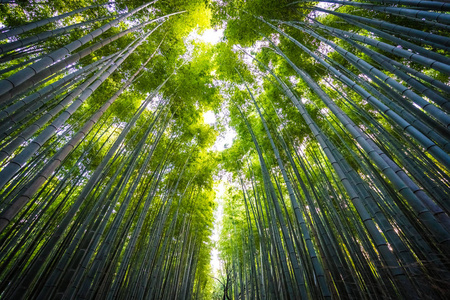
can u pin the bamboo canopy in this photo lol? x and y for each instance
(336, 184)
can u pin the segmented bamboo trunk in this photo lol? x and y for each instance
(340, 180)
(25, 74)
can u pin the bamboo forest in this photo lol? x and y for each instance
(224, 149)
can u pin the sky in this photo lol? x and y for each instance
(223, 141)
(212, 36)
(218, 215)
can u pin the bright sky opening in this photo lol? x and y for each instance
(209, 117)
(211, 36)
(224, 141)
(218, 215)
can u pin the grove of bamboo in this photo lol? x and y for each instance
(337, 182)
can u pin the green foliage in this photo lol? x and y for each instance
(337, 179)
